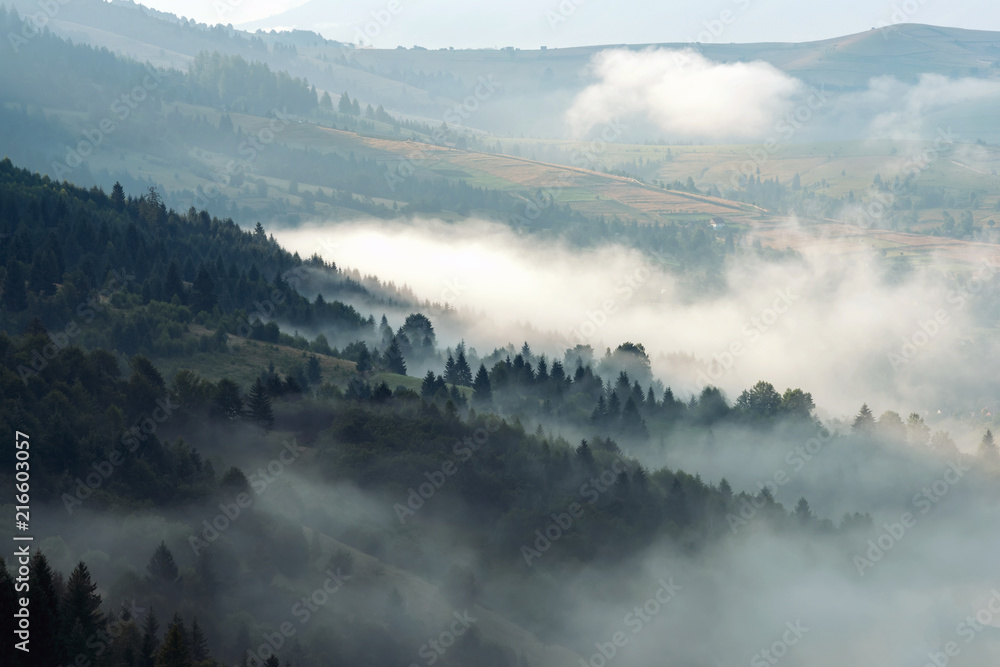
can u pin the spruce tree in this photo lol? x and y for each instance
(199, 644)
(599, 415)
(802, 512)
(394, 358)
(314, 372)
(585, 457)
(385, 331)
(632, 422)
(46, 642)
(81, 616)
(463, 373)
(449, 371)
(614, 406)
(172, 284)
(344, 106)
(203, 291)
(118, 195)
(988, 448)
(364, 363)
(226, 402)
(150, 640)
(482, 391)
(864, 423)
(161, 568)
(428, 387)
(259, 406)
(174, 652)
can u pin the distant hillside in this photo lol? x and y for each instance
(428, 83)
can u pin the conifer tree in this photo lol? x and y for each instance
(150, 640)
(614, 406)
(463, 374)
(600, 412)
(864, 423)
(394, 358)
(118, 195)
(632, 422)
(988, 448)
(161, 568)
(482, 391)
(175, 651)
(364, 363)
(226, 402)
(344, 106)
(172, 285)
(81, 616)
(259, 406)
(428, 387)
(203, 291)
(199, 644)
(314, 372)
(45, 637)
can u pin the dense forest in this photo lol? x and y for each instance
(111, 436)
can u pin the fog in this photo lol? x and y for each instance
(823, 600)
(848, 326)
(895, 109)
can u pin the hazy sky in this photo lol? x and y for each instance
(531, 23)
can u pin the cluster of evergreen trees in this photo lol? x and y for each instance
(69, 627)
(232, 83)
(144, 272)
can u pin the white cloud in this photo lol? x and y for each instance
(684, 94)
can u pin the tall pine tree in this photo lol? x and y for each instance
(463, 373)
(175, 651)
(150, 640)
(161, 568)
(199, 644)
(46, 644)
(259, 406)
(81, 617)
(394, 358)
(482, 391)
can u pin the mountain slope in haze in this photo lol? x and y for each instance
(206, 137)
(429, 83)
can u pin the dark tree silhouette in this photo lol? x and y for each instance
(864, 422)
(482, 391)
(394, 358)
(259, 406)
(161, 568)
